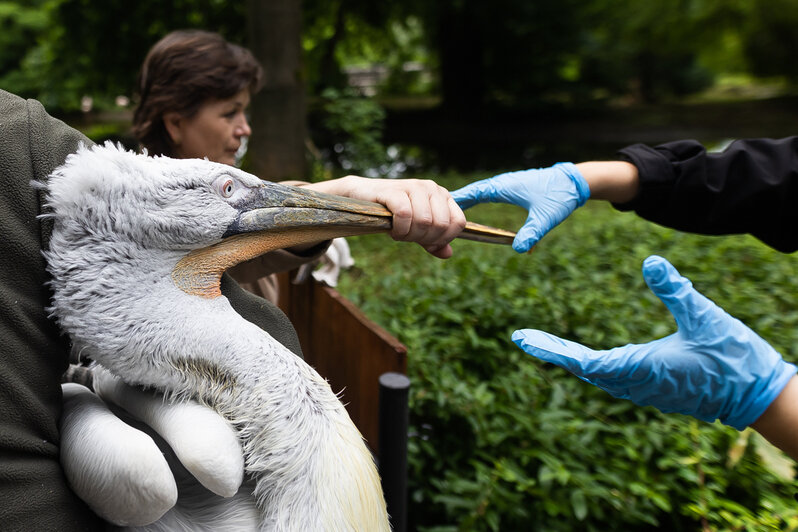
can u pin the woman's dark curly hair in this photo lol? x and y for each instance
(182, 71)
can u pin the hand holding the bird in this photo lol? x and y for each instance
(713, 367)
(121, 472)
(423, 211)
(549, 194)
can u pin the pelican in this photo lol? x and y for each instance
(138, 248)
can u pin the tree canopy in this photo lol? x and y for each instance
(505, 52)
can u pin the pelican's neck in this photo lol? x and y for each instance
(199, 273)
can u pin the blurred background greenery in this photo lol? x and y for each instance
(501, 441)
(456, 90)
(456, 84)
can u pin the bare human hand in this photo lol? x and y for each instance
(423, 211)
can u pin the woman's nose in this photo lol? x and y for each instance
(242, 128)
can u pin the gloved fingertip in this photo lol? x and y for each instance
(539, 341)
(551, 349)
(459, 195)
(655, 267)
(465, 203)
(521, 338)
(525, 239)
(522, 246)
(466, 197)
(518, 337)
(685, 303)
(660, 275)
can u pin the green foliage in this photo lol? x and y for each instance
(95, 47)
(501, 441)
(408, 61)
(531, 52)
(771, 43)
(20, 24)
(653, 49)
(352, 131)
(506, 52)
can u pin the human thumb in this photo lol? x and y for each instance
(687, 305)
(527, 236)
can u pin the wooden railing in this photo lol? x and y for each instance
(345, 347)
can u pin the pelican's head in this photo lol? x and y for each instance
(184, 204)
(215, 214)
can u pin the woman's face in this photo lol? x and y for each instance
(214, 132)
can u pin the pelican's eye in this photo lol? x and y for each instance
(226, 186)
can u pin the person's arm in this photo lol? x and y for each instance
(614, 181)
(550, 195)
(750, 187)
(779, 423)
(33, 353)
(713, 367)
(423, 211)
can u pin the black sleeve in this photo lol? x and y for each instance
(751, 187)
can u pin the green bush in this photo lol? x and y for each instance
(352, 136)
(502, 441)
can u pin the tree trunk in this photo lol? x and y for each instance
(277, 146)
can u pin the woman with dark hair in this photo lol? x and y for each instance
(194, 88)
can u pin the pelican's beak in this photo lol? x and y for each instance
(279, 207)
(276, 208)
(275, 216)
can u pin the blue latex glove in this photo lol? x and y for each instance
(549, 194)
(714, 367)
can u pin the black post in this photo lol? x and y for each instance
(393, 427)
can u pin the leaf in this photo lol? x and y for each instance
(774, 459)
(579, 504)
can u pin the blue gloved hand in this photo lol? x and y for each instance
(713, 367)
(549, 194)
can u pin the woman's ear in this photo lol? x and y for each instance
(174, 126)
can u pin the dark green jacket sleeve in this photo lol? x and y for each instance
(262, 313)
(33, 491)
